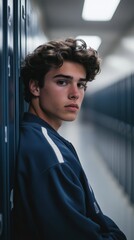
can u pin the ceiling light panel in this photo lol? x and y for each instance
(99, 10)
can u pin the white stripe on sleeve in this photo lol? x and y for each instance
(53, 145)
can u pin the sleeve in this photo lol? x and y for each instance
(57, 203)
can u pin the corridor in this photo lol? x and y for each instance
(109, 194)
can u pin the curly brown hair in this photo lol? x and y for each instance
(52, 54)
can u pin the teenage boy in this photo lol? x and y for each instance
(53, 199)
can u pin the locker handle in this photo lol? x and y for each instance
(9, 16)
(1, 224)
(23, 13)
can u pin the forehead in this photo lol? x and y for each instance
(72, 69)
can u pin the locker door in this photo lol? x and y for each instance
(23, 40)
(16, 66)
(132, 179)
(128, 135)
(1, 124)
(11, 110)
(7, 116)
(4, 159)
(122, 118)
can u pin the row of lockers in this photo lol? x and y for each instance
(111, 111)
(19, 28)
(116, 100)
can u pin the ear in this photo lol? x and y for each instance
(34, 88)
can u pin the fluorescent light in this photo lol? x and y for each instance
(119, 63)
(128, 43)
(91, 41)
(99, 10)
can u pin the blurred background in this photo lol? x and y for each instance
(103, 134)
(108, 26)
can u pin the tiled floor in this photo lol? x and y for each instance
(109, 194)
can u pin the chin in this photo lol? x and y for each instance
(71, 119)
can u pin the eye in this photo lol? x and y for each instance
(62, 82)
(82, 85)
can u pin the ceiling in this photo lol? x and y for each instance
(63, 19)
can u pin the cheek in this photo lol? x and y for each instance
(59, 96)
(82, 96)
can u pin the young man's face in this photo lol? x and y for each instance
(62, 94)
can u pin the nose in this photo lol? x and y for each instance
(74, 97)
(73, 92)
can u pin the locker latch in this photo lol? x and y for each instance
(1, 224)
(9, 66)
(11, 199)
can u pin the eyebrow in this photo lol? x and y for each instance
(68, 77)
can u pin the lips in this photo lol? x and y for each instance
(73, 106)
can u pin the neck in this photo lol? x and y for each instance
(41, 114)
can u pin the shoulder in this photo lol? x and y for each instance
(31, 137)
(36, 147)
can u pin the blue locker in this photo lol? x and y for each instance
(15, 29)
(23, 40)
(114, 122)
(122, 130)
(1, 124)
(16, 67)
(23, 36)
(128, 134)
(4, 110)
(132, 179)
(8, 112)
(11, 97)
(9, 121)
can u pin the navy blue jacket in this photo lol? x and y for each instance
(52, 198)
